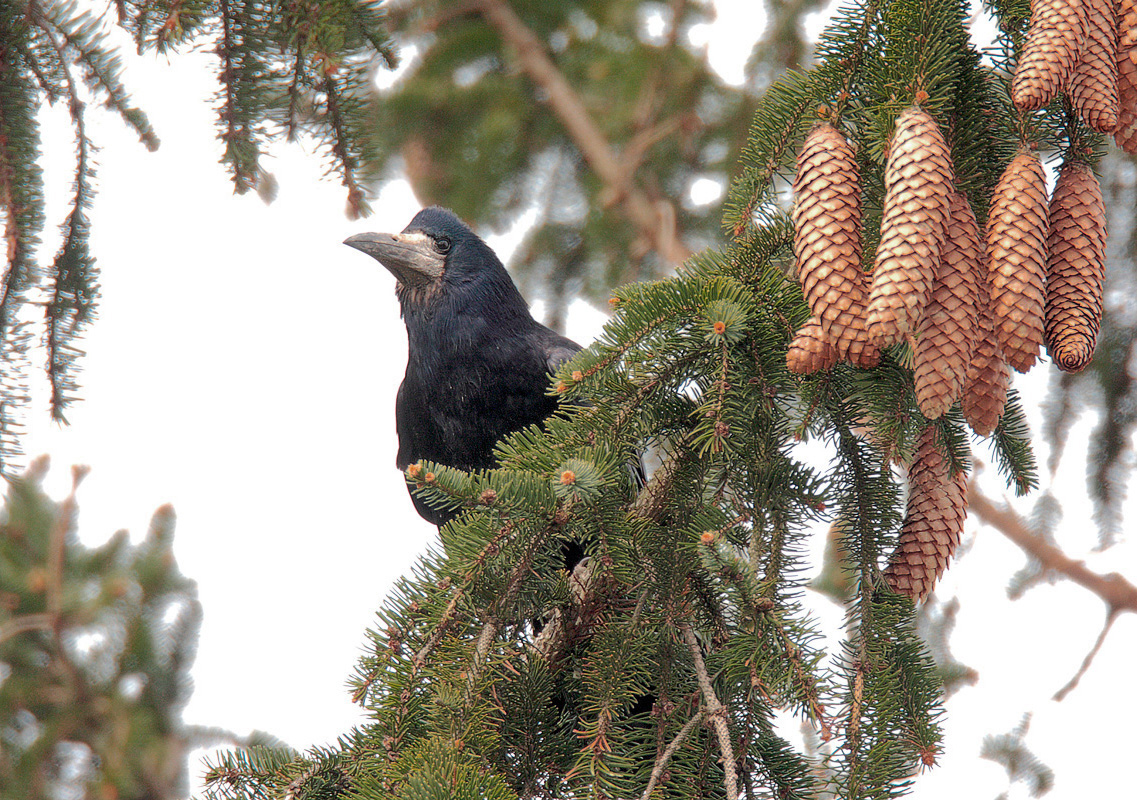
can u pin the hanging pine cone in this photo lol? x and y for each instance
(860, 350)
(811, 350)
(917, 180)
(1016, 249)
(1076, 268)
(1093, 87)
(1126, 133)
(933, 522)
(988, 376)
(1053, 45)
(827, 239)
(947, 329)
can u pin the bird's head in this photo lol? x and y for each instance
(434, 252)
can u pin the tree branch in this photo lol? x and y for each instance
(651, 219)
(716, 712)
(665, 757)
(1060, 695)
(1114, 590)
(28, 622)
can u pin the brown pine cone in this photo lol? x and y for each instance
(1093, 87)
(827, 237)
(860, 351)
(1053, 45)
(933, 522)
(811, 350)
(917, 180)
(1076, 268)
(1126, 133)
(1016, 249)
(947, 329)
(988, 376)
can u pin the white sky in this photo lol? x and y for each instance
(244, 368)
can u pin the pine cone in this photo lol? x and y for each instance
(947, 329)
(860, 350)
(1053, 45)
(827, 239)
(988, 376)
(1076, 268)
(933, 522)
(1093, 87)
(1016, 248)
(811, 350)
(917, 180)
(1126, 133)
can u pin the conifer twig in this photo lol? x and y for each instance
(665, 757)
(649, 503)
(715, 711)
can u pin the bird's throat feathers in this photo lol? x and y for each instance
(447, 316)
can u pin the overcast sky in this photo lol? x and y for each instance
(244, 368)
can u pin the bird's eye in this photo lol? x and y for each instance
(442, 245)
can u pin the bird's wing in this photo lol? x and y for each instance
(558, 351)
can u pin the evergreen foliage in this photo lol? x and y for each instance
(287, 69)
(96, 646)
(658, 665)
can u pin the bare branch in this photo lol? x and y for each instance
(649, 217)
(1060, 695)
(1114, 590)
(28, 622)
(715, 711)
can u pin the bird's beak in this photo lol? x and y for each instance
(409, 256)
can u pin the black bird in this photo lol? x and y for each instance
(478, 363)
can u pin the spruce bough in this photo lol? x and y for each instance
(658, 665)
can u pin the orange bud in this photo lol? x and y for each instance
(568, 477)
(561, 387)
(706, 537)
(719, 327)
(577, 375)
(429, 477)
(413, 470)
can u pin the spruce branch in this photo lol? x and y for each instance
(73, 293)
(716, 712)
(650, 217)
(356, 202)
